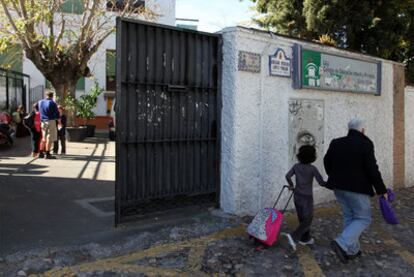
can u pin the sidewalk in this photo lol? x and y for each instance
(218, 246)
(39, 199)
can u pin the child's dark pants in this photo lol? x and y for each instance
(36, 136)
(62, 139)
(304, 210)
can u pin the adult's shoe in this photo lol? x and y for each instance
(352, 257)
(340, 253)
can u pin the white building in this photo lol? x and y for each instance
(102, 64)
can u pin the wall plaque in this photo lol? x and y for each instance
(250, 62)
(279, 64)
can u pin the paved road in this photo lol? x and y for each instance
(78, 242)
(38, 197)
(217, 246)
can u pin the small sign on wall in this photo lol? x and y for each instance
(250, 62)
(279, 64)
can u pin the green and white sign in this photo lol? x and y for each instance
(330, 72)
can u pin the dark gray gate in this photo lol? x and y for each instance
(37, 93)
(167, 115)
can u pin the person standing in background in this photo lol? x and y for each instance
(49, 114)
(61, 132)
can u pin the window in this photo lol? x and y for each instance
(72, 6)
(12, 58)
(110, 70)
(80, 85)
(116, 5)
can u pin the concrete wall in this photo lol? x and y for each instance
(166, 11)
(409, 136)
(255, 116)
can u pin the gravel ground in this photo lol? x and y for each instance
(387, 250)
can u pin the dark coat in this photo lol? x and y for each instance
(351, 165)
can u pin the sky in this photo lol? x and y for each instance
(214, 15)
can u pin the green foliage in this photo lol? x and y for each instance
(380, 28)
(83, 106)
(70, 104)
(86, 103)
(327, 40)
(11, 56)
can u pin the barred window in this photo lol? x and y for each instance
(118, 5)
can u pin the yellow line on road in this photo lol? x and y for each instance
(394, 245)
(125, 263)
(195, 258)
(308, 262)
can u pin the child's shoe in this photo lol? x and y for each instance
(309, 242)
(291, 241)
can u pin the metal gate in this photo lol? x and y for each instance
(36, 94)
(167, 115)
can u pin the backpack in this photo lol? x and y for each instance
(28, 121)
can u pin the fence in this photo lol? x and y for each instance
(13, 89)
(36, 94)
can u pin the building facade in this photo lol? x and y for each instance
(102, 64)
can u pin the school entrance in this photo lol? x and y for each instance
(168, 118)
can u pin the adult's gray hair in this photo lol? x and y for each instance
(355, 124)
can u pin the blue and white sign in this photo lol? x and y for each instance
(279, 64)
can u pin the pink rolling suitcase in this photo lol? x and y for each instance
(265, 226)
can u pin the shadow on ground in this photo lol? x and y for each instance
(39, 211)
(20, 148)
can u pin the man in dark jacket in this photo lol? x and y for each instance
(353, 174)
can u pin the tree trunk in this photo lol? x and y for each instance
(62, 92)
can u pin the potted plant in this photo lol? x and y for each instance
(74, 133)
(85, 105)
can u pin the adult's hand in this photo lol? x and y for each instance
(385, 196)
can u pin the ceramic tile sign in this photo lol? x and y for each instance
(279, 64)
(306, 126)
(335, 73)
(250, 62)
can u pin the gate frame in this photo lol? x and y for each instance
(118, 78)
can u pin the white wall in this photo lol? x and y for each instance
(255, 122)
(409, 136)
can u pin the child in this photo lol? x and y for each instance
(61, 132)
(303, 197)
(35, 131)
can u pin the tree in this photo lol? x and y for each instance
(380, 28)
(59, 44)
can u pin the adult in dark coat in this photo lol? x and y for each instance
(353, 174)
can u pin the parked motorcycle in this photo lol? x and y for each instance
(7, 133)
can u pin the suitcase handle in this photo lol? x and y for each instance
(280, 194)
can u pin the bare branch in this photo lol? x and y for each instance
(16, 9)
(13, 24)
(23, 9)
(62, 31)
(92, 13)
